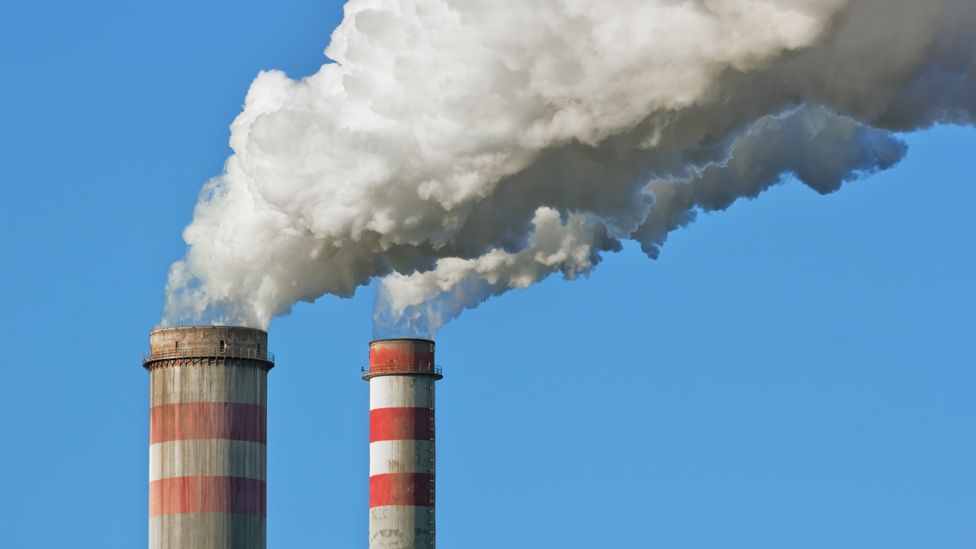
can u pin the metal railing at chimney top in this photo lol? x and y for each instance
(227, 351)
(401, 369)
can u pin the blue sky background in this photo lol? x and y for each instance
(796, 372)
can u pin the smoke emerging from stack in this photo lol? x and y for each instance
(456, 150)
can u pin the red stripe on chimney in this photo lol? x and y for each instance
(199, 420)
(401, 353)
(207, 495)
(401, 424)
(401, 489)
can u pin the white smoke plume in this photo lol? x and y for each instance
(456, 149)
(419, 304)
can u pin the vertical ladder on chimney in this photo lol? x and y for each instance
(433, 468)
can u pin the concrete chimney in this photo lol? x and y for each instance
(401, 379)
(207, 436)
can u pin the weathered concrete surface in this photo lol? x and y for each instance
(401, 391)
(401, 527)
(205, 382)
(206, 341)
(208, 531)
(208, 458)
(401, 456)
(208, 438)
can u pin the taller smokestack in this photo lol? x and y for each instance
(208, 435)
(401, 379)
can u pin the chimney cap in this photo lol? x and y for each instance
(201, 327)
(404, 339)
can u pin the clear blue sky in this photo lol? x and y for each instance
(797, 372)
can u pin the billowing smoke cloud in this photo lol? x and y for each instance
(459, 149)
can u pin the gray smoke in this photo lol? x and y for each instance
(459, 149)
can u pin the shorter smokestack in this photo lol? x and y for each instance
(207, 437)
(401, 379)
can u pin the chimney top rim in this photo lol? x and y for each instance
(395, 339)
(206, 327)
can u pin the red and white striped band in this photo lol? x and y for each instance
(208, 436)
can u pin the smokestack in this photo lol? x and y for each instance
(207, 436)
(401, 379)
